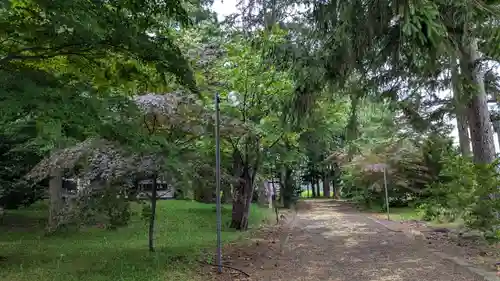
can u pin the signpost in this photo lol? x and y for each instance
(217, 182)
(386, 193)
(381, 167)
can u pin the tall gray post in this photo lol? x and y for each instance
(386, 193)
(217, 183)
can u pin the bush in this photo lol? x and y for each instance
(19, 194)
(116, 207)
(106, 205)
(482, 213)
(433, 211)
(468, 192)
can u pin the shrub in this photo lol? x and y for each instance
(468, 191)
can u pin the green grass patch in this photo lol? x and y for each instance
(403, 214)
(409, 213)
(308, 194)
(184, 231)
(396, 213)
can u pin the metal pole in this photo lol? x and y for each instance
(217, 182)
(386, 193)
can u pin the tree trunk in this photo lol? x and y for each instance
(282, 186)
(153, 216)
(56, 202)
(326, 185)
(275, 206)
(498, 136)
(478, 114)
(318, 188)
(313, 188)
(242, 193)
(227, 194)
(242, 200)
(463, 134)
(334, 187)
(460, 111)
(288, 188)
(336, 181)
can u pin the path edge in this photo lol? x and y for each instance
(287, 230)
(417, 235)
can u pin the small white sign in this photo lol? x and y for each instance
(379, 167)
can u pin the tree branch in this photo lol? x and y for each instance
(277, 140)
(47, 52)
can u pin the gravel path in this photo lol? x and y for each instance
(332, 242)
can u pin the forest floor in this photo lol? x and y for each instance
(332, 241)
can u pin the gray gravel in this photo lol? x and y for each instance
(334, 242)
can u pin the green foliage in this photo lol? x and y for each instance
(146, 212)
(469, 192)
(40, 30)
(17, 158)
(116, 207)
(483, 212)
(448, 199)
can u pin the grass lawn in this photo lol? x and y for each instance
(401, 214)
(184, 231)
(408, 213)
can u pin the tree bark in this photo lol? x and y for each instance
(56, 202)
(153, 216)
(242, 193)
(326, 185)
(313, 188)
(282, 186)
(241, 201)
(275, 206)
(336, 181)
(460, 111)
(288, 188)
(318, 190)
(478, 114)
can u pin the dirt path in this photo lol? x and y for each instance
(333, 242)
